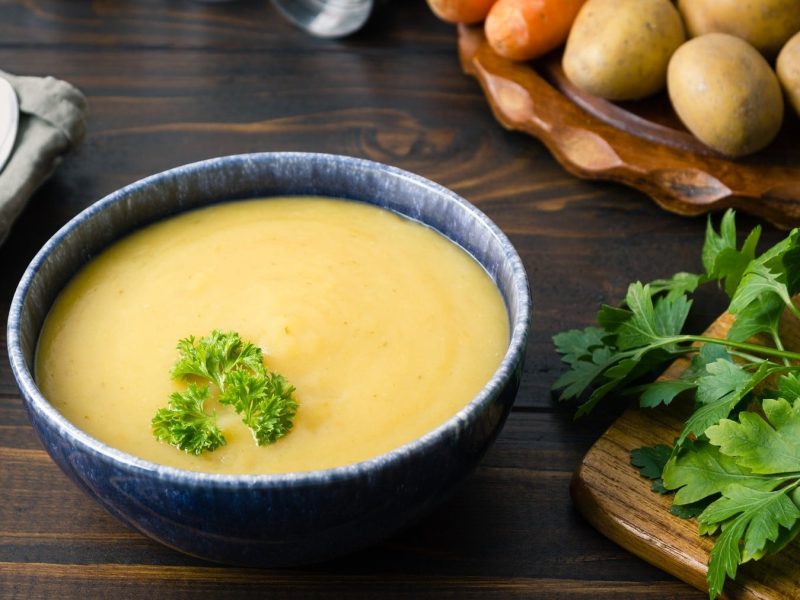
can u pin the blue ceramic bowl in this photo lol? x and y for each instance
(271, 520)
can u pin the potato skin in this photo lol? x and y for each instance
(788, 69)
(765, 24)
(725, 93)
(619, 49)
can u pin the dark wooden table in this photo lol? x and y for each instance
(171, 82)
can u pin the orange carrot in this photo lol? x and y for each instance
(526, 29)
(461, 11)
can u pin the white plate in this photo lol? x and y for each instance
(9, 119)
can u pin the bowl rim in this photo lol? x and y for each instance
(35, 401)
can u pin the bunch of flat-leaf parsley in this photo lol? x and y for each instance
(735, 466)
(236, 371)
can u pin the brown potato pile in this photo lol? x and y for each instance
(720, 81)
(724, 82)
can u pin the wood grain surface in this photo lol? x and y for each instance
(174, 81)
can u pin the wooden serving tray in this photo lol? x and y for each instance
(618, 502)
(641, 144)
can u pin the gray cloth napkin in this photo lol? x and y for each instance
(52, 120)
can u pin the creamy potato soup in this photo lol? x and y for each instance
(385, 328)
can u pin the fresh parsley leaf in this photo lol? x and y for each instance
(662, 392)
(773, 276)
(785, 536)
(215, 356)
(584, 372)
(722, 379)
(765, 447)
(676, 286)
(642, 332)
(725, 385)
(185, 424)
(577, 344)
(721, 259)
(236, 369)
(616, 371)
(689, 511)
(265, 402)
(611, 318)
(707, 353)
(651, 461)
(700, 470)
(759, 280)
(670, 315)
(789, 385)
(749, 519)
(758, 317)
(755, 463)
(710, 352)
(612, 371)
(650, 322)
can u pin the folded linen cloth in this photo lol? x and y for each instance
(52, 121)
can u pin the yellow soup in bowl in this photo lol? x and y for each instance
(384, 327)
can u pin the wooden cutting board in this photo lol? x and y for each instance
(616, 500)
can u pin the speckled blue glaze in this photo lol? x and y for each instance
(271, 520)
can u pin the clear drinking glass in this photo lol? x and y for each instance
(326, 18)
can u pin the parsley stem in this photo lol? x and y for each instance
(776, 339)
(748, 357)
(754, 348)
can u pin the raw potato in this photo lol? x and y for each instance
(788, 68)
(765, 24)
(725, 93)
(619, 49)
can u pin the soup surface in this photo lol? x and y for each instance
(384, 327)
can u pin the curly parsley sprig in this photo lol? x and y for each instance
(185, 424)
(735, 469)
(236, 370)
